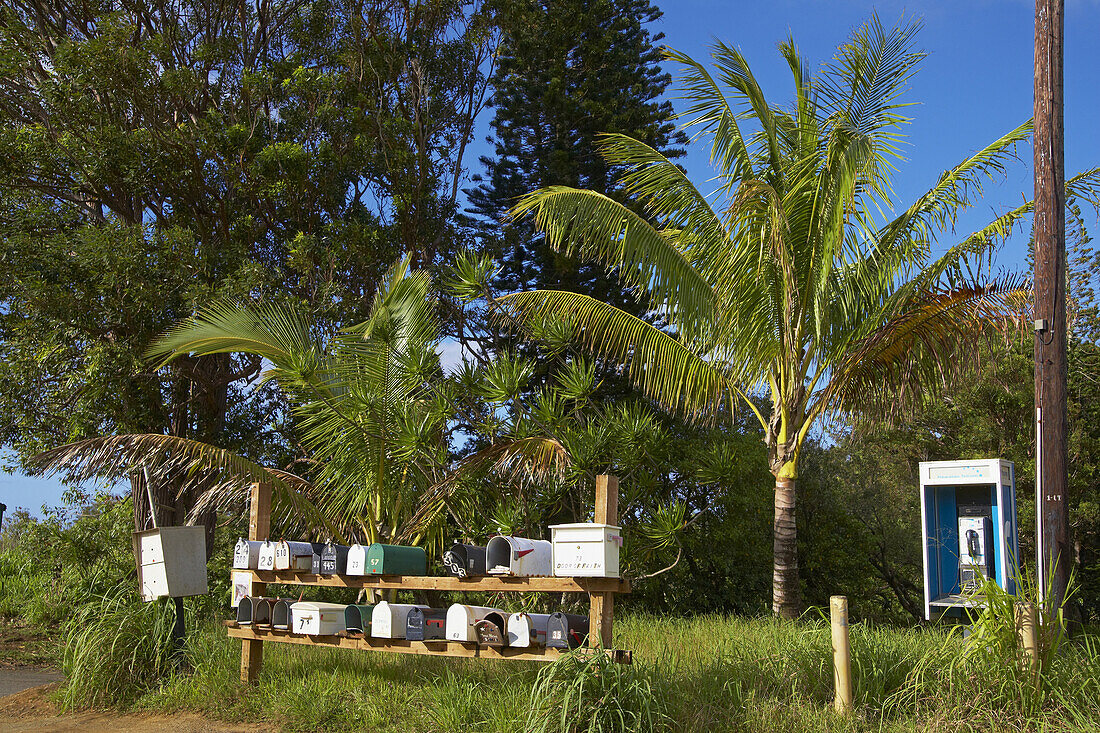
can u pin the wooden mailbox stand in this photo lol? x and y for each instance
(601, 593)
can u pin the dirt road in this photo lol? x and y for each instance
(31, 710)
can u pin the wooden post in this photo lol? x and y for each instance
(1049, 231)
(603, 603)
(842, 654)
(259, 527)
(1027, 627)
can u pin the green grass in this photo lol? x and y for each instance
(704, 674)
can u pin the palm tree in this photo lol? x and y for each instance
(799, 278)
(368, 414)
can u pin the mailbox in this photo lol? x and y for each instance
(334, 559)
(317, 619)
(357, 560)
(968, 525)
(390, 620)
(266, 560)
(490, 633)
(566, 631)
(246, 610)
(396, 560)
(357, 619)
(281, 614)
(518, 556)
(462, 620)
(426, 624)
(315, 559)
(527, 629)
(296, 556)
(246, 554)
(465, 561)
(586, 550)
(171, 562)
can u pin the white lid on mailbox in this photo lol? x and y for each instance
(586, 549)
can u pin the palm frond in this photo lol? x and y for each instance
(659, 365)
(930, 341)
(601, 229)
(221, 479)
(710, 112)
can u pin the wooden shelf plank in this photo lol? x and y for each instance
(481, 585)
(438, 648)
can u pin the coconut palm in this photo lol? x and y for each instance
(797, 277)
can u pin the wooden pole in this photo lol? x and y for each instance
(259, 527)
(1050, 306)
(602, 604)
(842, 654)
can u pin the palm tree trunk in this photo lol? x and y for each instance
(786, 593)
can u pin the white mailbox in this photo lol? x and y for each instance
(527, 629)
(357, 560)
(317, 619)
(266, 560)
(389, 620)
(171, 562)
(518, 556)
(586, 550)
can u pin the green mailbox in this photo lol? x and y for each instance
(396, 560)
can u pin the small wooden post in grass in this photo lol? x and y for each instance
(259, 527)
(842, 654)
(603, 603)
(1027, 627)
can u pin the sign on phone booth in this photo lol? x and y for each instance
(968, 525)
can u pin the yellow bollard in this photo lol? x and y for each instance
(1027, 627)
(842, 654)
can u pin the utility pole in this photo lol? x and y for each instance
(1051, 426)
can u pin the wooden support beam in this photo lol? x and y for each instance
(435, 648)
(259, 527)
(484, 584)
(602, 603)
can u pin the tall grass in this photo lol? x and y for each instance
(711, 673)
(117, 650)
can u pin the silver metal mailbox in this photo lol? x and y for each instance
(281, 614)
(527, 629)
(518, 556)
(266, 560)
(390, 620)
(246, 554)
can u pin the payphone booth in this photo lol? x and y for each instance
(968, 525)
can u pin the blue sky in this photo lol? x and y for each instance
(975, 85)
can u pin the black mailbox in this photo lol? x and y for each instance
(465, 561)
(334, 559)
(315, 563)
(280, 615)
(425, 624)
(566, 631)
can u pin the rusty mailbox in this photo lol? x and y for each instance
(462, 621)
(295, 556)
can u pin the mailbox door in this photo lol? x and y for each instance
(357, 560)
